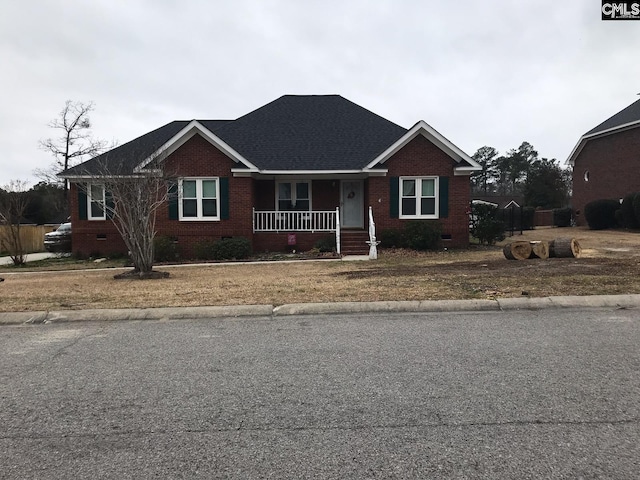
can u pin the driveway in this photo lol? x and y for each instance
(31, 257)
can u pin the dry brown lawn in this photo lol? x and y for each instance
(610, 265)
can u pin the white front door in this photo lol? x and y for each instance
(352, 201)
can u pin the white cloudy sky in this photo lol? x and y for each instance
(491, 72)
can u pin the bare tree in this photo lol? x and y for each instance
(131, 202)
(13, 204)
(74, 144)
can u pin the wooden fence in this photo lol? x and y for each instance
(543, 218)
(32, 236)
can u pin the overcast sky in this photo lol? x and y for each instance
(491, 72)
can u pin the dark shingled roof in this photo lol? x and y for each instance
(127, 156)
(628, 115)
(310, 132)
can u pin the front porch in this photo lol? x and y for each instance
(273, 230)
(296, 212)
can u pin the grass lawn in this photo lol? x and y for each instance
(610, 265)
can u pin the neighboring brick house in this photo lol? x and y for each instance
(605, 160)
(303, 165)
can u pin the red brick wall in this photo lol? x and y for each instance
(326, 194)
(96, 237)
(265, 194)
(612, 162)
(198, 158)
(278, 242)
(422, 158)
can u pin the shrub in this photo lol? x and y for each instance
(601, 214)
(422, 234)
(636, 207)
(416, 235)
(204, 250)
(627, 212)
(562, 217)
(165, 249)
(325, 244)
(485, 225)
(235, 248)
(391, 238)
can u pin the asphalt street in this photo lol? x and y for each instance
(517, 394)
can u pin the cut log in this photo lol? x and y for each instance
(564, 248)
(518, 250)
(539, 250)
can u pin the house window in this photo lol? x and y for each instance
(418, 197)
(96, 202)
(294, 196)
(199, 199)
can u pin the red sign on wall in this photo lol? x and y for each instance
(291, 239)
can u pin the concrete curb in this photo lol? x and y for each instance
(591, 301)
(233, 311)
(115, 314)
(373, 307)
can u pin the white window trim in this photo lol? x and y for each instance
(293, 193)
(199, 217)
(418, 197)
(102, 200)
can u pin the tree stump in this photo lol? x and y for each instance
(518, 250)
(564, 248)
(539, 250)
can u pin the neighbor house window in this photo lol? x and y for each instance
(199, 199)
(418, 197)
(96, 202)
(294, 196)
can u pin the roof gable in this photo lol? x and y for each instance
(626, 118)
(464, 161)
(129, 154)
(195, 127)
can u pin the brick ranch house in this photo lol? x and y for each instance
(303, 166)
(605, 160)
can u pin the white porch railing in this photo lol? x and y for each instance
(295, 221)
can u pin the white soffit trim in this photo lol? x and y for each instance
(194, 127)
(583, 139)
(431, 134)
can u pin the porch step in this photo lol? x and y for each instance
(353, 242)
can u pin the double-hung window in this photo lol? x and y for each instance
(294, 196)
(199, 199)
(96, 202)
(418, 197)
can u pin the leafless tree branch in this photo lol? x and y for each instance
(75, 142)
(132, 204)
(13, 204)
